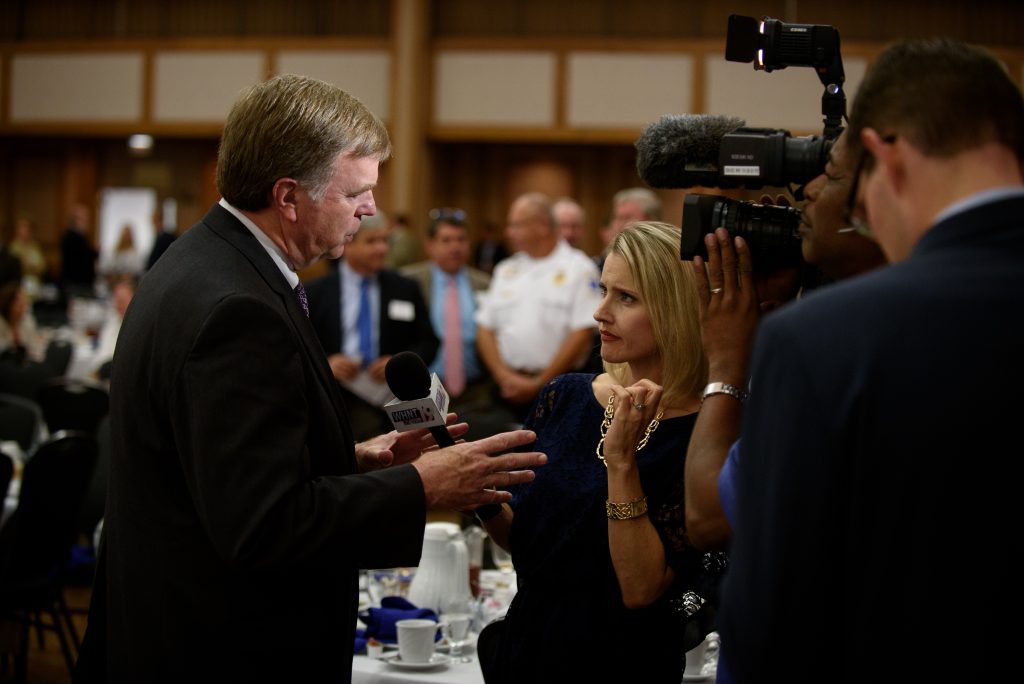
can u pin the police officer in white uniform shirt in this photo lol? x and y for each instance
(537, 318)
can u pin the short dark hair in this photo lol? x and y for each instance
(942, 95)
(448, 216)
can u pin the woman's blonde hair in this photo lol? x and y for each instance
(668, 289)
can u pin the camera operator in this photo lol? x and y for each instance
(861, 520)
(730, 316)
(734, 296)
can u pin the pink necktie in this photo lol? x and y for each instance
(454, 370)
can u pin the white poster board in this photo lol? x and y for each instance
(120, 207)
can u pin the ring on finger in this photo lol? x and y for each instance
(716, 290)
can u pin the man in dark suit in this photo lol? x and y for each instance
(240, 507)
(877, 495)
(164, 237)
(397, 321)
(77, 255)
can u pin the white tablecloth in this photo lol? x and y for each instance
(368, 671)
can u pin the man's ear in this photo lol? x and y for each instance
(890, 157)
(284, 197)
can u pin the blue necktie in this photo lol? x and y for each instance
(365, 323)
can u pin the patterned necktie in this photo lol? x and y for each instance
(300, 292)
(365, 323)
(454, 368)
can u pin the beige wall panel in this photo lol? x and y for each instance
(495, 88)
(76, 87)
(364, 74)
(789, 98)
(202, 86)
(616, 89)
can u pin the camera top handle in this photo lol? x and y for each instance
(773, 44)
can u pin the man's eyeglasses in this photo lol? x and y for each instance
(448, 215)
(855, 224)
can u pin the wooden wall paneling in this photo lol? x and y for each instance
(73, 87)
(410, 90)
(40, 202)
(491, 161)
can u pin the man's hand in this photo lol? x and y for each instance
(396, 448)
(343, 367)
(469, 474)
(518, 388)
(375, 369)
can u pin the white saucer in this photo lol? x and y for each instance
(698, 677)
(436, 660)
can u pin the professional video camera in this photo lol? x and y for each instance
(690, 150)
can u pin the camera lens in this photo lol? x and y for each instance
(772, 232)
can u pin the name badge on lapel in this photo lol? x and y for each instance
(401, 310)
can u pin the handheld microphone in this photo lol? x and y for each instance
(420, 398)
(682, 150)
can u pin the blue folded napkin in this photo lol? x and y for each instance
(380, 622)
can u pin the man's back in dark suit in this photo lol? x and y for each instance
(877, 492)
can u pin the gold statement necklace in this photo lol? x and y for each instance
(609, 413)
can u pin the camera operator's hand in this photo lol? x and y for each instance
(728, 305)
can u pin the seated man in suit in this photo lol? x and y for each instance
(384, 315)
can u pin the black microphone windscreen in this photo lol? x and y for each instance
(681, 150)
(407, 376)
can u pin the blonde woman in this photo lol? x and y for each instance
(598, 539)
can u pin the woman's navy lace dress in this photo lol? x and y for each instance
(567, 621)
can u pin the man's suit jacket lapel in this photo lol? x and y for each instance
(231, 229)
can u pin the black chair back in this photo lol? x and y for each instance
(24, 378)
(36, 541)
(21, 421)
(93, 507)
(73, 405)
(58, 357)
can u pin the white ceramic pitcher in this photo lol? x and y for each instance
(443, 572)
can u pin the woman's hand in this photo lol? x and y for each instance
(634, 408)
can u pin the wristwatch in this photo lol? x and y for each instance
(724, 388)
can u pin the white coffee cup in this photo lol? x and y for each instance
(695, 659)
(416, 640)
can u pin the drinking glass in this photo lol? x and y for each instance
(456, 620)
